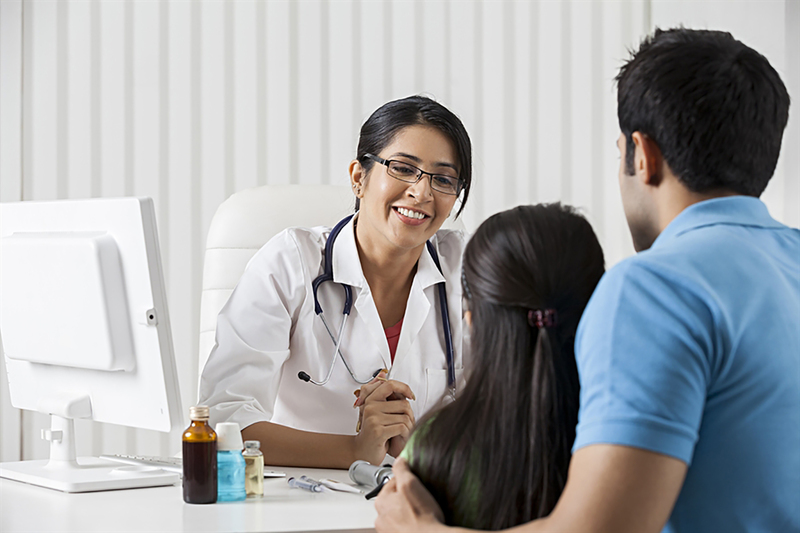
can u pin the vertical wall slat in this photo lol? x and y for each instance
(213, 149)
(584, 172)
(791, 139)
(307, 144)
(403, 32)
(464, 68)
(180, 287)
(278, 92)
(490, 144)
(11, 24)
(11, 63)
(79, 100)
(432, 53)
(342, 133)
(523, 149)
(549, 98)
(244, 77)
(112, 103)
(374, 57)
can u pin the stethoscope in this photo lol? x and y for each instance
(327, 275)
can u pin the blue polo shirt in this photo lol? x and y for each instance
(692, 349)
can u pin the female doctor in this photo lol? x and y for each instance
(288, 372)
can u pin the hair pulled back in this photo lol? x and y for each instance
(509, 434)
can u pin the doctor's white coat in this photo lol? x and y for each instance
(267, 332)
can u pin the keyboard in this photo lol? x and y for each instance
(170, 464)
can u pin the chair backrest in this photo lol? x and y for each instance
(245, 222)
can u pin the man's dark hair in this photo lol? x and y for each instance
(715, 107)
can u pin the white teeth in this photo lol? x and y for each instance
(409, 213)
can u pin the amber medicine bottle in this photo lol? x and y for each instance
(199, 458)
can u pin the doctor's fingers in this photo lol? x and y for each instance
(397, 407)
(386, 390)
(385, 427)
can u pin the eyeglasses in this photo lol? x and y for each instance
(411, 174)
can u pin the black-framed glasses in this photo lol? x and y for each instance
(410, 174)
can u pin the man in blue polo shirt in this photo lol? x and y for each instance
(688, 352)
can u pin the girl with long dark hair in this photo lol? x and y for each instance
(498, 456)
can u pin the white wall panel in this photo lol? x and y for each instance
(490, 185)
(375, 50)
(113, 82)
(188, 102)
(342, 97)
(549, 97)
(279, 96)
(244, 69)
(78, 142)
(10, 183)
(403, 31)
(306, 148)
(432, 54)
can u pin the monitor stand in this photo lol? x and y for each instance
(67, 473)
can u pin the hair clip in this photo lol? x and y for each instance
(547, 318)
(464, 285)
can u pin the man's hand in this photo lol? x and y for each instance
(404, 504)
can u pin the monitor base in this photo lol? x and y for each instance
(88, 474)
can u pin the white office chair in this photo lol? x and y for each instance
(245, 222)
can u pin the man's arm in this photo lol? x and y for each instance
(615, 488)
(609, 488)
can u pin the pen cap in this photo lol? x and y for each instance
(228, 436)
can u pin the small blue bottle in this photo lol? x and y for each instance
(230, 463)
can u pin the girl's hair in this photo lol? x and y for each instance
(498, 456)
(388, 120)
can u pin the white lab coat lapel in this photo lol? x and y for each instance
(420, 303)
(347, 269)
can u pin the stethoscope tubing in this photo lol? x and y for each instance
(327, 275)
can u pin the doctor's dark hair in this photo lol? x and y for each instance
(715, 107)
(498, 456)
(388, 120)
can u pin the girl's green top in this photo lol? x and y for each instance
(470, 485)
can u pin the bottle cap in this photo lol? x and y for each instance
(199, 412)
(228, 436)
(254, 444)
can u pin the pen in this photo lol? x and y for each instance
(305, 485)
(374, 492)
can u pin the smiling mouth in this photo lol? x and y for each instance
(410, 213)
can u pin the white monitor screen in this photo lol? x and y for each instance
(83, 314)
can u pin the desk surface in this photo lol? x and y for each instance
(29, 508)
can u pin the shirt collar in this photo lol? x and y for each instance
(732, 210)
(347, 265)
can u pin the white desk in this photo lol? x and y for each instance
(29, 508)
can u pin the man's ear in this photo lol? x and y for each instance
(647, 161)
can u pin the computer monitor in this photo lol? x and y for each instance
(85, 332)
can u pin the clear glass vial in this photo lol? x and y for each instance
(254, 469)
